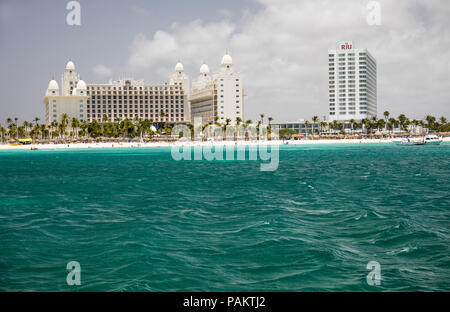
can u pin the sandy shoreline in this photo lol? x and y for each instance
(210, 143)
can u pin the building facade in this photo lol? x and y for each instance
(300, 126)
(120, 99)
(220, 96)
(352, 86)
(203, 97)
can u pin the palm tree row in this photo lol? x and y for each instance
(139, 128)
(387, 124)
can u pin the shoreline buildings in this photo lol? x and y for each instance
(219, 96)
(119, 99)
(352, 83)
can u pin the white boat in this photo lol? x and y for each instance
(432, 139)
(409, 141)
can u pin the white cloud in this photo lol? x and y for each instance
(282, 52)
(101, 71)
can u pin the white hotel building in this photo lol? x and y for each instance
(352, 83)
(219, 96)
(117, 100)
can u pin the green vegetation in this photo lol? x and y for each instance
(140, 128)
(374, 124)
(286, 133)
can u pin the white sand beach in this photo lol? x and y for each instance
(193, 143)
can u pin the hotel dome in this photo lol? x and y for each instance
(179, 67)
(204, 69)
(70, 65)
(53, 85)
(81, 85)
(227, 60)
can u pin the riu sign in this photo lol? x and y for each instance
(348, 45)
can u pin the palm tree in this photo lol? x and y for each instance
(307, 124)
(323, 125)
(63, 125)
(26, 125)
(75, 125)
(36, 120)
(43, 129)
(402, 119)
(333, 125)
(443, 120)
(352, 123)
(381, 123)
(12, 130)
(84, 126)
(386, 117)
(270, 119)
(392, 123)
(53, 127)
(367, 124)
(238, 121)
(430, 119)
(3, 133)
(13, 127)
(21, 132)
(262, 118)
(315, 119)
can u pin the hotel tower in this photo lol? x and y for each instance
(352, 89)
(219, 96)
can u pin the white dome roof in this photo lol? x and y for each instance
(227, 60)
(53, 85)
(179, 67)
(204, 69)
(70, 65)
(81, 85)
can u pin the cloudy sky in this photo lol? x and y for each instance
(280, 46)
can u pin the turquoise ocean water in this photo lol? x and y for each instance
(136, 220)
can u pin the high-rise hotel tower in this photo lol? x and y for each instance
(220, 96)
(352, 89)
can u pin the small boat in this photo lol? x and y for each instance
(432, 139)
(34, 149)
(410, 141)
